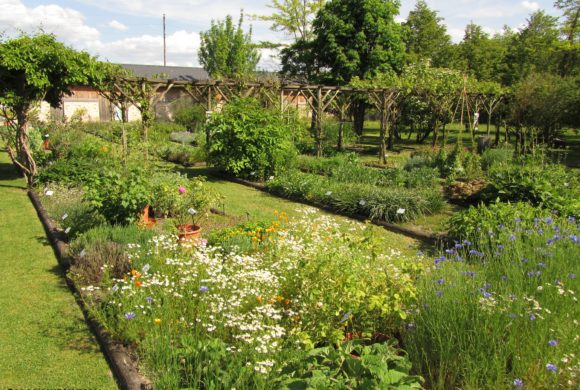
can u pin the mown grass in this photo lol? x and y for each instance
(44, 341)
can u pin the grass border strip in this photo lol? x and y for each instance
(432, 239)
(121, 363)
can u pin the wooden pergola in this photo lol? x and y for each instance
(319, 99)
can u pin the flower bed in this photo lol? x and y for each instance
(247, 313)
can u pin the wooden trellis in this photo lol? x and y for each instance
(318, 98)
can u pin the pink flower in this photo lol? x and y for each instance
(181, 189)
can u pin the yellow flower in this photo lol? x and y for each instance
(157, 321)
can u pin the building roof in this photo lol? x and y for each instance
(168, 72)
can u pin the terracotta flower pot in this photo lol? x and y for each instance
(145, 220)
(188, 232)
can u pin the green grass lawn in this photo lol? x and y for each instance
(44, 341)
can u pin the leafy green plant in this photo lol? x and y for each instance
(548, 186)
(182, 154)
(120, 198)
(191, 117)
(250, 141)
(498, 156)
(352, 365)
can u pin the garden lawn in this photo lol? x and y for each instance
(44, 340)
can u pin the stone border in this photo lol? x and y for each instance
(429, 238)
(120, 361)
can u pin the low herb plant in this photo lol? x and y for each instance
(391, 204)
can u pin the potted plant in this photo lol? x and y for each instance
(193, 203)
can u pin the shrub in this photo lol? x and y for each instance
(548, 186)
(120, 198)
(182, 154)
(423, 160)
(67, 209)
(492, 157)
(250, 141)
(183, 137)
(352, 365)
(192, 117)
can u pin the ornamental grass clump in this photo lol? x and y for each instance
(499, 308)
(199, 314)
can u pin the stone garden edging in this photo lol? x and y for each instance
(122, 364)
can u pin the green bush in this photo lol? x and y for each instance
(192, 118)
(119, 197)
(183, 137)
(548, 186)
(492, 157)
(352, 365)
(250, 141)
(182, 154)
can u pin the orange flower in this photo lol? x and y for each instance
(137, 284)
(259, 299)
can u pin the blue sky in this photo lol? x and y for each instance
(130, 31)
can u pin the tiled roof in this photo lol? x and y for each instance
(168, 72)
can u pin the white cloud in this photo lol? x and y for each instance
(66, 23)
(182, 49)
(530, 5)
(117, 25)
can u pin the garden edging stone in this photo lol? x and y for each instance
(122, 364)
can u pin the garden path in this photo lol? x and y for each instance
(44, 340)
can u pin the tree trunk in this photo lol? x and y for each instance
(319, 135)
(359, 117)
(24, 157)
(497, 131)
(340, 133)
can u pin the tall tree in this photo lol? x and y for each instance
(569, 28)
(226, 51)
(426, 37)
(32, 69)
(475, 52)
(358, 38)
(294, 17)
(534, 48)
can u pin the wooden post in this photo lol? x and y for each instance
(319, 148)
(384, 124)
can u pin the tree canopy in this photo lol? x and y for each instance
(34, 68)
(425, 36)
(358, 38)
(226, 51)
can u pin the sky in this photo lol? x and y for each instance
(131, 31)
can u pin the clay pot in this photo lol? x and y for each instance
(145, 220)
(188, 232)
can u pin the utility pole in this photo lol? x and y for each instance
(164, 44)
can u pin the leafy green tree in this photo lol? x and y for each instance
(226, 51)
(475, 52)
(569, 28)
(426, 37)
(294, 17)
(34, 68)
(431, 96)
(534, 48)
(358, 38)
(543, 104)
